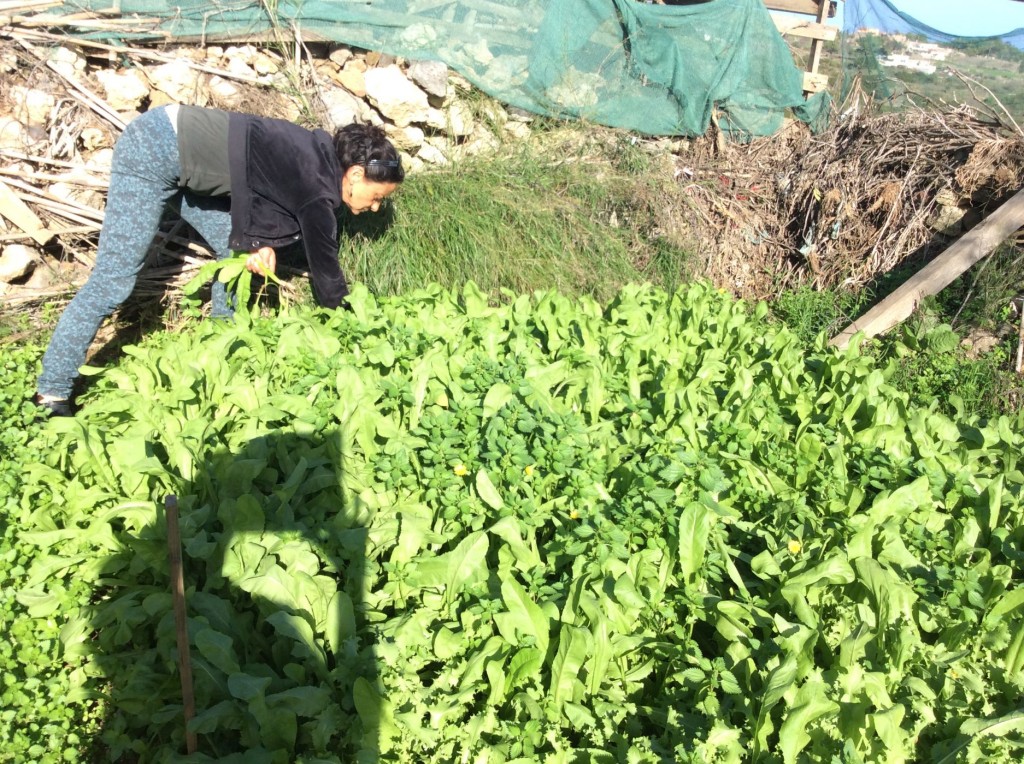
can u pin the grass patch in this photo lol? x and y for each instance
(576, 216)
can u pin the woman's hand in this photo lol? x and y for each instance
(262, 261)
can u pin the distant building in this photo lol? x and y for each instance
(927, 50)
(906, 62)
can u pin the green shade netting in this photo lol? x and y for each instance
(655, 69)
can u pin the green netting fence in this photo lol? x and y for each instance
(655, 69)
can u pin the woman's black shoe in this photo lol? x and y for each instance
(56, 406)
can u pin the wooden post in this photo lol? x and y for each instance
(180, 618)
(816, 44)
(940, 272)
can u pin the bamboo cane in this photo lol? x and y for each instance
(180, 618)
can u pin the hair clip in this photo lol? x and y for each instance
(384, 163)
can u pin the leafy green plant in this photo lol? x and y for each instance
(231, 272)
(39, 719)
(435, 529)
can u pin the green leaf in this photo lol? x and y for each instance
(496, 398)
(341, 622)
(246, 686)
(565, 669)
(694, 527)
(488, 493)
(218, 649)
(523, 616)
(466, 563)
(809, 705)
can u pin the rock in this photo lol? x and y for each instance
(419, 36)
(395, 96)
(352, 79)
(224, 91)
(482, 141)
(431, 153)
(519, 115)
(177, 80)
(518, 130)
(14, 135)
(124, 90)
(100, 161)
(32, 107)
(238, 67)
(67, 62)
(432, 76)
(265, 64)
(16, 262)
(408, 138)
(375, 58)
(340, 55)
(457, 119)
(342, 108)
(8, 61)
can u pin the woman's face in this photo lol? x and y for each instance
(361, 194)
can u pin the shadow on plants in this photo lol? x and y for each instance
(274, 566)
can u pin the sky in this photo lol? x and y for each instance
(963, 17)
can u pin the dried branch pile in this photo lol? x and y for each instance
(843, 207)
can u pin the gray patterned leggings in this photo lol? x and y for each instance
(143, 184)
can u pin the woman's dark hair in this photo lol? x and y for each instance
(369, 147)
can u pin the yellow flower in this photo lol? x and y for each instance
(794, 546)
(574, 514)
(460, 469)
(528, 470)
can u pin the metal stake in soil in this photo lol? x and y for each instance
(180, 618)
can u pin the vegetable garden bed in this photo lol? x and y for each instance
(433, 529)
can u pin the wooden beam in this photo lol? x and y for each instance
(812, 64)
(810, 7)
(815, 83)
(940, 272)
(19, 213)
(806, 29)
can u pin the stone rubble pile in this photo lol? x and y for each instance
(62, 108)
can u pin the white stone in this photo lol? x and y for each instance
(225, 90)
(518, 130)
(67, 62)
(342, 108)
(124, 90)
(177, 79)
(408, 138)
(432, 154)
(265, 64)
(419, 36)
(460, 119)
(244, 54)
(101, 160)
(340, 55)
(432, 76)
(398, 99)
(30, 106)
(239, 67)
(16, 262)
(482, 141)
(93, 138)
(14, 135)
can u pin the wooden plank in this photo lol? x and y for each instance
(812, 64)
(810, 7)
(939, 273)
(815, 83)
(19, 213)
(806, 29)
